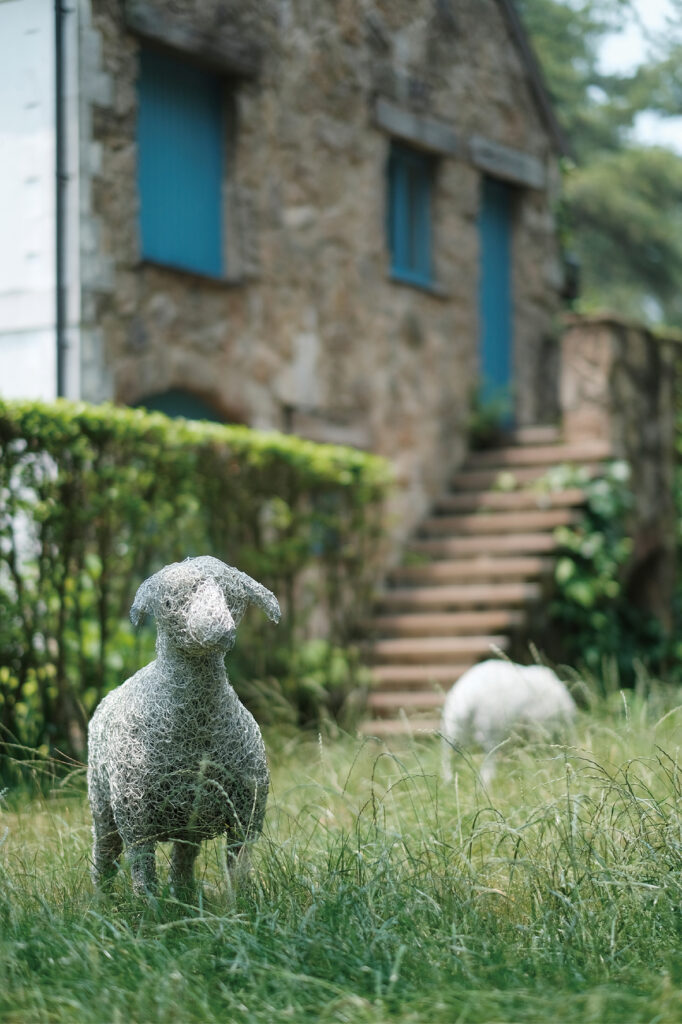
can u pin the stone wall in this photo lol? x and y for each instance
(618, 384)
(308, 332)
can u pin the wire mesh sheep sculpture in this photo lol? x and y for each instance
(173, 754)
(496, 698)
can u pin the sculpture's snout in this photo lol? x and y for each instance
(210, 624)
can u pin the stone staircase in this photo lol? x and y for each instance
(478, 566)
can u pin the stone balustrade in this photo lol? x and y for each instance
(618, 384)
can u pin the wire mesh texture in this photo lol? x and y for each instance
(173, 755)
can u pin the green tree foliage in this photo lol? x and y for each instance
(622, 209)
(566, 38)
(627, 210)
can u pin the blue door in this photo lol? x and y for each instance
(495, 297)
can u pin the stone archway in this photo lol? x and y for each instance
(176, 402)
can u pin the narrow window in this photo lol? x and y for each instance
(410, 182)
(180, 163)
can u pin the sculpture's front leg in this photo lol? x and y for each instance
(143, 868)
(107, 846)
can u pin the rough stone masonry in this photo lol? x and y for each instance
(307, 330)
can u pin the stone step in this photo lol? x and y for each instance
(488, 595)
(446, 623)
(540, 455)
(416, 677)
(508, 480)
(488, 501)
(488, 544)
(396, 727)
(391, 702)
(475, 569)
(535, 435)
(524, 521)
(426, 649)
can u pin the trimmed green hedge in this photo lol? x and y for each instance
(94, 498)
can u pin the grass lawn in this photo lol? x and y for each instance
(379, 893)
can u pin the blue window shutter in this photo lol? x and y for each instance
(180, 163)
(495, 290)
(409, 214)
(421, 205)
(399, 212)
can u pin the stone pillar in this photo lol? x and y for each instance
(618, 385)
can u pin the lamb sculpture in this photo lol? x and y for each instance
(496, 698)
(173, 755)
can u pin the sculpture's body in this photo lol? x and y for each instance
(173, 754)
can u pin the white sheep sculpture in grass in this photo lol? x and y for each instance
(496, 698)
(173, 755)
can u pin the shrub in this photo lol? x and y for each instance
(591, 610)
(489, 419)
(94, 498)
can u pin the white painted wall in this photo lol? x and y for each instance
(72, 196)
(27, 199)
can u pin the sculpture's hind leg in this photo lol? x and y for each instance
(182, 867)
(106, 848)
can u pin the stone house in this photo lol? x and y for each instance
(333, 218)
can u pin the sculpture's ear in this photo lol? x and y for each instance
(260, 595)
(144, 600)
